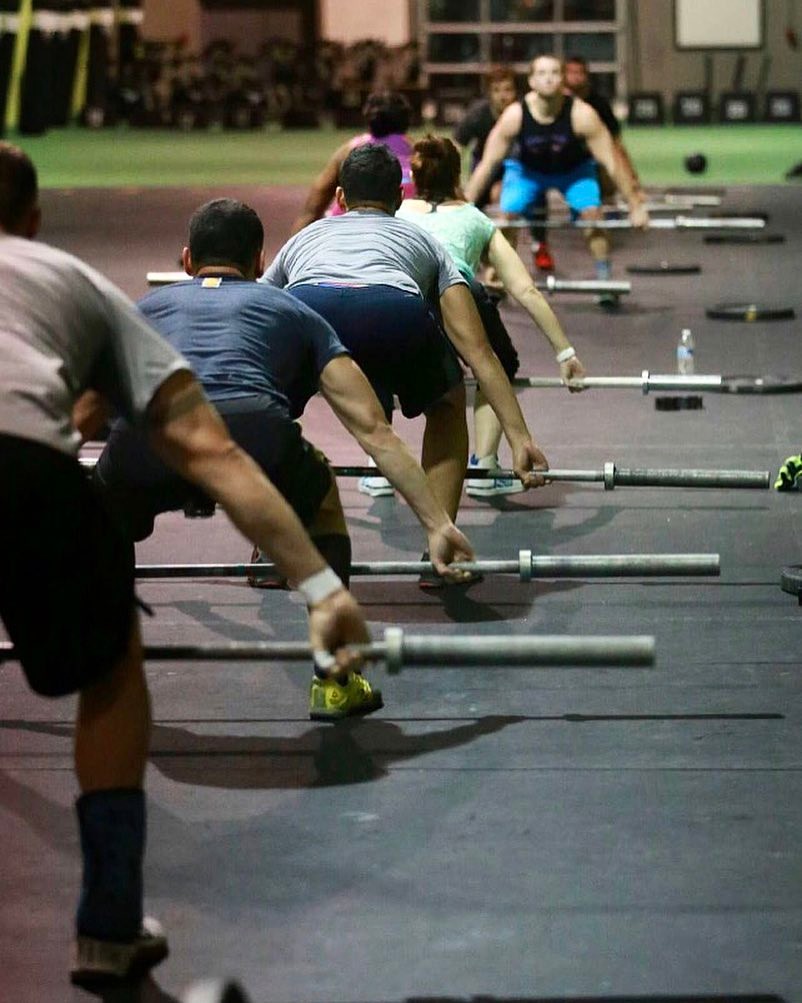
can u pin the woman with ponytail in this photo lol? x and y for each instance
(471, 238)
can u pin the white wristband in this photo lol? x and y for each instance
(319, 586)
(565, 354)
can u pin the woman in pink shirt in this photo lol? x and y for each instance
(387, 116)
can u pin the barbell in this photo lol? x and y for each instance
(646, 382)
(527, 566)
(399, 649)
(551, 284)
(610, 475)
(659, 223)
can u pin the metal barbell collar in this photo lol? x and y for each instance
(399, 650)
(526, 566)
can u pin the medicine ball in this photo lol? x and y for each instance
(696, 163)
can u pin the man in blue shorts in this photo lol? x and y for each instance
(66, 331)
(260, 354)
(559, 140)
(380, 282)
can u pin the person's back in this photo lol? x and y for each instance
(364, 247)
(62, 324)
(244, 339)
(462, 229)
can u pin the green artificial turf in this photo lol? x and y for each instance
(68, 158)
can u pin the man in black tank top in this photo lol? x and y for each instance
(559, 140)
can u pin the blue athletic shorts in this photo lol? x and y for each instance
(523, 189)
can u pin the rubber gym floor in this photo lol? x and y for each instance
(553, 834)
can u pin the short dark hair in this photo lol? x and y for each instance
(225, 232)
(497, 74)
(19, 187)
(436, 168)
(371, 173)
(580, 60)
(386, 112)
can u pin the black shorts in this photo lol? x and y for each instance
(496, 332)
(66, 571)
(138, 486)
(394, 337)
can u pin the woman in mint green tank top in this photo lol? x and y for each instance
(471, 238)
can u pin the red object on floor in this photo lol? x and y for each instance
(543, 259)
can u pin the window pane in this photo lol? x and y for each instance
(522, 10)
(453, 10)
(453, 48)
(590, 10)
(519, 48)
(598, 48)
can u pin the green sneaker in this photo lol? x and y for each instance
(330, 700)
(789, 475)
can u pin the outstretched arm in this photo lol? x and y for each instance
(352, 399)
(589, 126)
(322, 191)
(464, 328)
(518, 282)
(189, 435)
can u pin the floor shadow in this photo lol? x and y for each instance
(351, 752)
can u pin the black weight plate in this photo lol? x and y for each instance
(771, 384)
(791, 579)
(749, 312)
(741, 214)
(664, 268)
(744, 238)
(688, 402)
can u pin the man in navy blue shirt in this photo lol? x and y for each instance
(260, 354)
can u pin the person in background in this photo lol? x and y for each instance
(552, 140)
(387, 116)
(470, 237)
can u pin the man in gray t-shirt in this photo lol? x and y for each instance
(65, 330)
(380, 282)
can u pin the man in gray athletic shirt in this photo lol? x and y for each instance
(63, 330)
(379, 280)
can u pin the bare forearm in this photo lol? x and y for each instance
(403, 471)
(496, 387)
(537, 306)
(257, 509)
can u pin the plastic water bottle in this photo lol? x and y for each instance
(685, 348)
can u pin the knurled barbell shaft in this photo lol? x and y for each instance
(399, 650)
(527, 565)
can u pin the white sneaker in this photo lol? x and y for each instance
(376, 487)
(99, 962)
(490, 487)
